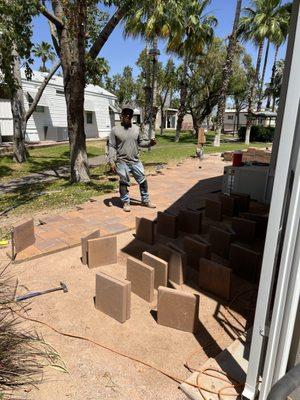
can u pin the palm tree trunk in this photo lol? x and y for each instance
(18, 113)
(154, 87)
(227, 72)
(261, 89)
(273, 76)
(183, 99)
(252, 93)
(162, 120)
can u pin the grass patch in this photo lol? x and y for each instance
(54, 195)
(42, 159)
(48, 196)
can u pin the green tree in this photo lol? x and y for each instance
(227, 73)
(241, 82)
(205, 82)
(189, 39)
(123, 86)
(167, 84)
(45, 52)
(15, 47)
(274, 88)
(259, 23)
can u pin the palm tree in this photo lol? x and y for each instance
(279, 40)
(44, 51)
(227, 72)
(259, 23)
(194, 34)
(273, 90)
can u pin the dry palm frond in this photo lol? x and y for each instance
(23, 352)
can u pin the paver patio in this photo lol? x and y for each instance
(183, 186)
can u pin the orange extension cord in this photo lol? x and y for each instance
(219, 393)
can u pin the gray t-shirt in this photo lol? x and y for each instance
(124, 144)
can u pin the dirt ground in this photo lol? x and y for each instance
(96, 373)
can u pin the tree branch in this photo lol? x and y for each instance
(51, 17)
(41, 90)
(106, 32)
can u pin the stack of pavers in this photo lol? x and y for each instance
(205, 247)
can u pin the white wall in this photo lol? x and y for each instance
(54, 117)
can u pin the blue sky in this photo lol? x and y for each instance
(121, 52)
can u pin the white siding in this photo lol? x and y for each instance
(53, 121)
(6, 123)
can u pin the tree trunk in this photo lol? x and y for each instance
(227, 72)
(18, 114)
(273, 77)
(154, 87)
(183, 98)
(73, 65)
(252, 94)
(261, 89)
(106, 32)
(41, 90)
(162, 120)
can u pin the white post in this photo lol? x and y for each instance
(282, 153)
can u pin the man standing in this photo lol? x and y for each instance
(124, 143)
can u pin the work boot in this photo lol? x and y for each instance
(126, 207)
(148, 204)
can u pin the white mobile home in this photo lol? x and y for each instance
(49, 121)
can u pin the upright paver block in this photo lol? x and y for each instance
(229, 205)
(220, 240)
(242, 201)
(177, 309)
(215, 278)
(160, 269)
(177, 263)
(141, 277)
(213, 210)
(195, 250)
(113, 296)
(145, 230)
(190, 221)
(245, 263)
(167, 224)
(102, 251)
(22, 236)
(261, 222)
(84, 245)
(244, 229)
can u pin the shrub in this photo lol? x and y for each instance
(258, 133)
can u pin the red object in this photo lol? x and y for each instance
(237, 158)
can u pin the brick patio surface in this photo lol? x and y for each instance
(183, 186)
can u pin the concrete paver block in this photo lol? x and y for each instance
(229, 205)
(244, 229)
(220, 240)
(141, 277)
(160, 269)
(190, 221)
(113, 297)
(261, 222)
(242, 201)
(213, 210)
(102, 251)
(215, 278)
(245, 263)
(167, 224)
(177, 309)
(195, 250)
(84, 245)
(23, 236)
(177, 262)
(144, 230)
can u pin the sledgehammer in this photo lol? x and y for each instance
(29, 295)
